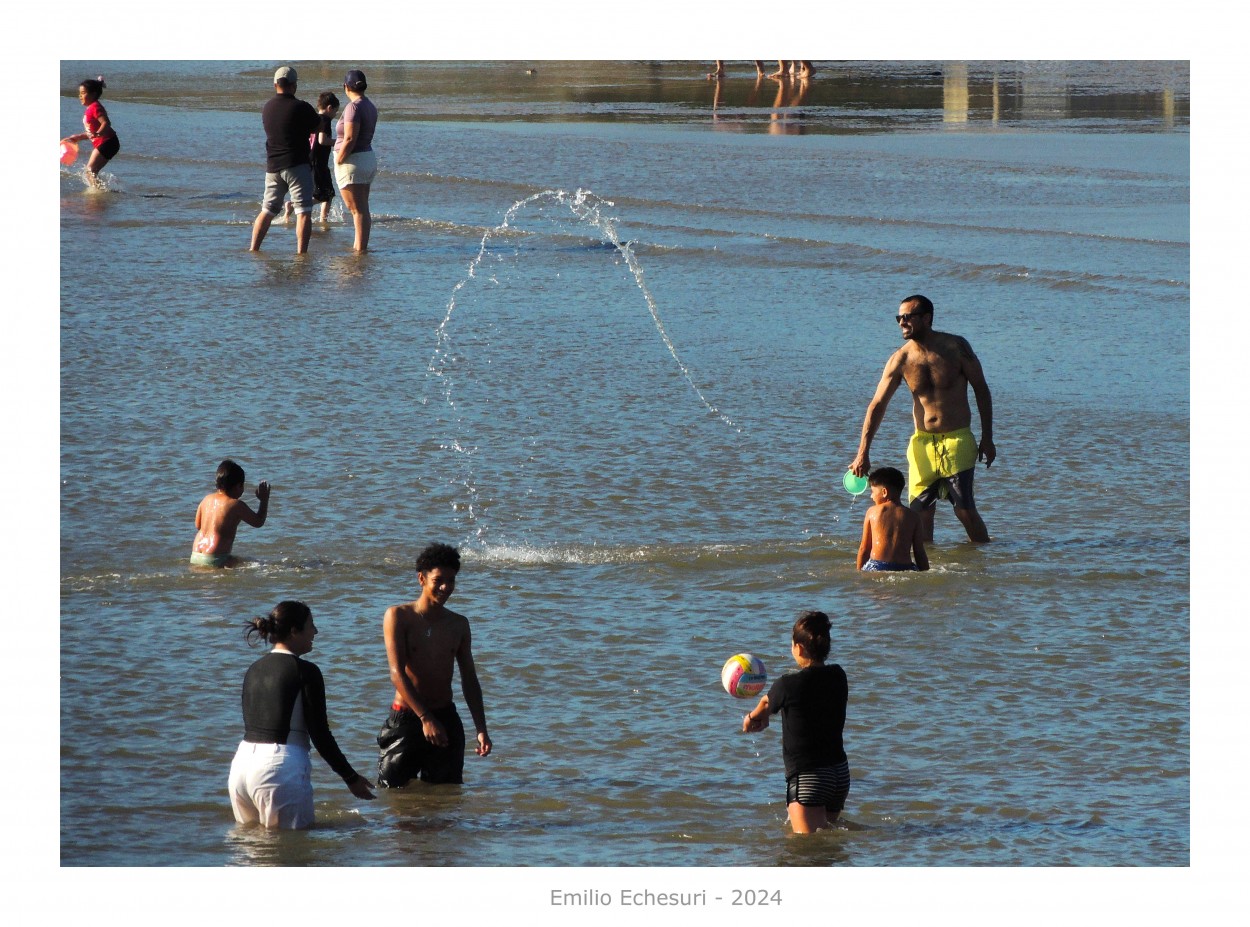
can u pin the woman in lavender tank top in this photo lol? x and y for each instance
(354, 161)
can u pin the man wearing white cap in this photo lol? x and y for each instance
(288, 123)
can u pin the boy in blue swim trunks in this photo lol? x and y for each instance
(892, 531)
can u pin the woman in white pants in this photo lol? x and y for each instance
(284, 710)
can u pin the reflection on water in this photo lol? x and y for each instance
(824, 848)
(87, 200)
(839, 96)
(257, 846)
(955, 93)
(347, 268)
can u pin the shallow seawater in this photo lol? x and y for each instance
(630, 401)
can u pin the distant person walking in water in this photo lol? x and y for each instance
(892, 532)
(423, 735)
(288, 124)
(355, 164)
(942, 454)
(218, 516)
(284, 710)
(95, 119)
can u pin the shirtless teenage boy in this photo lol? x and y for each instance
(942, 454)
(425, 641)
(218, 516)
(892, 532)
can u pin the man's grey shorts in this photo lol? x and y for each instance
(298, 180)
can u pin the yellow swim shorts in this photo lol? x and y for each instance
(934, 457)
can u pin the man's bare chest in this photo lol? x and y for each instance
(933, 371)
(430, 638)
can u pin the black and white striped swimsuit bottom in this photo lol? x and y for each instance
(825, 786)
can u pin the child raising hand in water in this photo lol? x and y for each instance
(218, 516)
(95, 119)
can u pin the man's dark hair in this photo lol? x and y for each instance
(923, 306)
(327, 99)
(438, 555)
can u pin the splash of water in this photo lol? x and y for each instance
(105, 182)
(587, 208)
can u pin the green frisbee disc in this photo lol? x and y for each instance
(854, 484)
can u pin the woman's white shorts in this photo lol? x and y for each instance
(357, 167)
(272, 784)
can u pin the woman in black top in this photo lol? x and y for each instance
(284, 709)
(812, 703)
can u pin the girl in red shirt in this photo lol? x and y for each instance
(99, 129)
